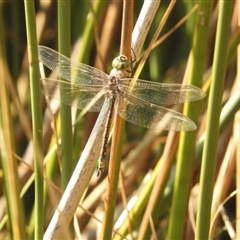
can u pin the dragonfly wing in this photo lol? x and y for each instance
(162, 93)
(76, 95)
(149, 115)
(72, 71)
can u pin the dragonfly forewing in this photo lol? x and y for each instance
(162, 93)
(72, 71)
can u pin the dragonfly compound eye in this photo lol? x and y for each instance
(121, 62)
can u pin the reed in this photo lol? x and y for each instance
(158, 182)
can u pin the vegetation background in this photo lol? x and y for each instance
(160, 174)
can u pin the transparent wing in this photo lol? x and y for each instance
(69, 70)
(76, 95)
(162, 93)
(149, 115)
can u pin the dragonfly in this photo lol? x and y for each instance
(141, 103)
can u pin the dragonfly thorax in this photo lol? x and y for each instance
(113, 88)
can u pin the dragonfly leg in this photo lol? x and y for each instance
(101, 166)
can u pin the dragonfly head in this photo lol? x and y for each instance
(121, 62)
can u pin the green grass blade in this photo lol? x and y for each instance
(65, 111)
(187, 139)
(36, 115)
(64, 45)
(215, 103)
(14, 206)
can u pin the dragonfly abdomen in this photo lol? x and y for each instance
(112, 96)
